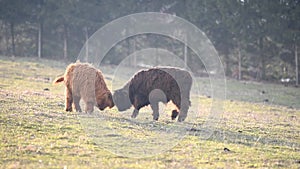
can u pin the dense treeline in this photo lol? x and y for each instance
(256, 39)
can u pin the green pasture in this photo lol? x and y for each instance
(258, 127)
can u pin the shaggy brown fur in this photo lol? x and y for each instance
(153, 86)
(84, 81)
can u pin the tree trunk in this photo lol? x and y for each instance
(86, 35)
(296, 62)
(12, 33)
(157, 57)
(6, 39)
(173, 49)
(65, 36)
(128, 62)
(226, 64)
(262, 60)
(40, 40)
(185, 52)
(134, 53)
(239, 63)
(263, 68)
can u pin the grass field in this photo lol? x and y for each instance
(259, 127)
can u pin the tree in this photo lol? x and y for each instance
(38, 14)
(291, 39)
(13, 13)
(258, 35)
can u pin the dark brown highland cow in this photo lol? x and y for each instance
(84, 81)
(156, 85)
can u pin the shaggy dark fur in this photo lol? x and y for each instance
(156, 85)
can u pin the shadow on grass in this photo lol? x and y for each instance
(243, 139)
(143, 138)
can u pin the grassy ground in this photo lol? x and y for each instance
(35, 132)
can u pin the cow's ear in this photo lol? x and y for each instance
(59, 79)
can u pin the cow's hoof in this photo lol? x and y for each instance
(68, 109)
(134, 115)
(181, 119)
(155, 118)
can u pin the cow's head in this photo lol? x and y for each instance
(121, 99)
(105, 101)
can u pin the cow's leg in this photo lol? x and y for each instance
(135, 113)
(183, 110)
(69, 99)
(76, 103)
(89, 107)
(154, 107)
(137, 105)
(177, 102)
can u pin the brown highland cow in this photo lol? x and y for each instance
(85, 82)
(156, 85)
